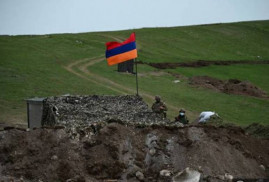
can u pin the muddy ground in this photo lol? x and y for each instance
(118, 152)
(232, 86)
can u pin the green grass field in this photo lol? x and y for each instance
(50, 65)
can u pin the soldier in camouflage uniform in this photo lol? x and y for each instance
(159, 107)
(182, 118)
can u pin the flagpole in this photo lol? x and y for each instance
(136, 77)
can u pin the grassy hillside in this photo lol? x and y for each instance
(234, 41)
(49, 65)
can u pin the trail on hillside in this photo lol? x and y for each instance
(71, 68)
(84, 72)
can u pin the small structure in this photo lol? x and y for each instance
(34, 112)
(127, 66)
(81, 111)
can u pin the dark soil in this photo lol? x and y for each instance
(201, 63)
(118, 152)
(232, 86)
(258, 130)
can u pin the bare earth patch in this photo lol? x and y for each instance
(201, 63)
(232, 86)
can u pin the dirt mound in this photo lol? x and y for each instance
(201, 63)
(119, 152)
(40, 154)
(258, 130)
(232, 86)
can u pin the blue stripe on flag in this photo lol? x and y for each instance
(122, 49)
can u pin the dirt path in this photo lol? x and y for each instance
(84, 72)
(112, 37)
(71, 68)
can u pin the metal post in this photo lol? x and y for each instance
(136, 77)
(28, 115)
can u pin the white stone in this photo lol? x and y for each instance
(139, 175)
(187, 175)
(152, 151)
(262, 167)
(228, 177)
(54, 157)
(165, 172)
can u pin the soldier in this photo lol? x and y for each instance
(159, 107)
(182, 118)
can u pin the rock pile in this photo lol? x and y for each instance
(70, 111)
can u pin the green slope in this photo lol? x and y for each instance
(35, 66)
(234, 41)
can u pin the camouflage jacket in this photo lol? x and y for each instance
(182, 119)
(159, 107)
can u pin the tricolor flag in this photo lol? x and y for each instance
(119, 52)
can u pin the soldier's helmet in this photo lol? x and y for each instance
(182, 110)
(157, 98)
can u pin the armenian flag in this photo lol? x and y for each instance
(117, 52)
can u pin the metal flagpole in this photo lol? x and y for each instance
(136, 77)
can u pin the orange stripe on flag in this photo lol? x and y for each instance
(122, 57)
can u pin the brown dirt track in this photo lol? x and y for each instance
(117, 152)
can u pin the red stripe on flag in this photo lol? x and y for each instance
(112, 45)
